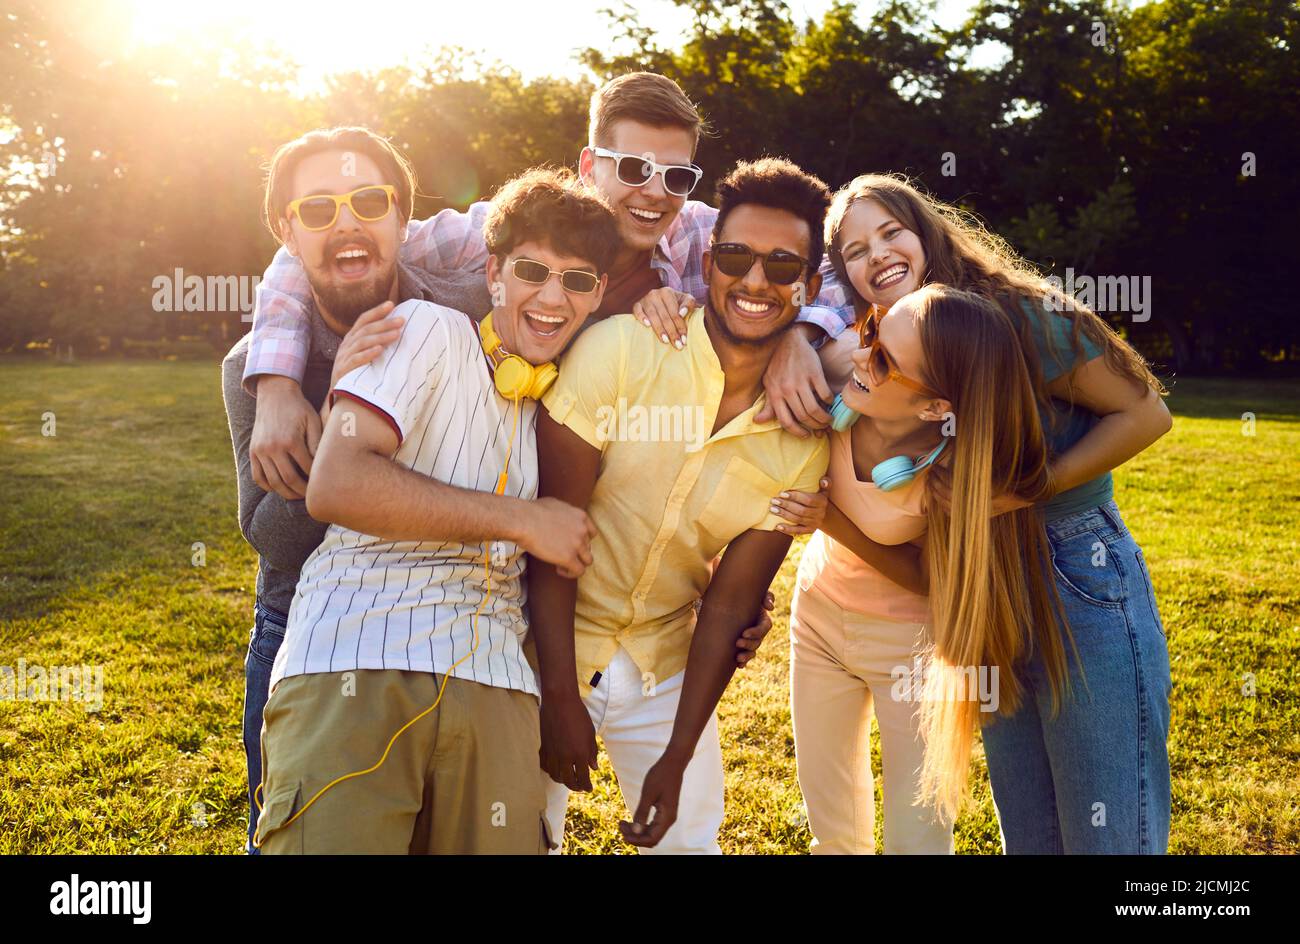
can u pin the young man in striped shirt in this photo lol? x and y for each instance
(643, 133)
(414, 598)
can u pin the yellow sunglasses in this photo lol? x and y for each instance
(320, 210)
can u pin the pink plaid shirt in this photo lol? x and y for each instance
(454, 240)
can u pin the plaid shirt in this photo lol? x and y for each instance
(454, 240)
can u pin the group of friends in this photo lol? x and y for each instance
(473, 563)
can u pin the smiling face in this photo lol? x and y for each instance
(884, 260)
(880, 397)
(352, 265)
(643, 213)
(537, 322)
(748, 308)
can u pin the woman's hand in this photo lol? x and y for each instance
(805, 512)
(664, 312)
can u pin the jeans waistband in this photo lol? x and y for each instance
(1103, 516)
(271, 615)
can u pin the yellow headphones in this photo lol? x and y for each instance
(514, 377)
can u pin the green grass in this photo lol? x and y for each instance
(96, 567)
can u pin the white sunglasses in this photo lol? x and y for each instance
(637, 171)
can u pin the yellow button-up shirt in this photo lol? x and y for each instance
(669, 495)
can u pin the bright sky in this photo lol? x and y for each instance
(537, 37)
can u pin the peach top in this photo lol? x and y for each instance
(893, 517)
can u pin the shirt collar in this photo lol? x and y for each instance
(664, 248)
(705, 364)
(324, 343)
(704, 359)
(663, 251)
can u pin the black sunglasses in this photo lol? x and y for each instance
(780, 267)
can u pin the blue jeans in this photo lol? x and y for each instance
(1094, 778)
(263, 643)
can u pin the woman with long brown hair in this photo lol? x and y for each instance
(1076, 748)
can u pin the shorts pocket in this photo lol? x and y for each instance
(281, 805)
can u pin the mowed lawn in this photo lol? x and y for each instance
(100, 523)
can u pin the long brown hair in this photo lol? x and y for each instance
(961, 253)
(992, 596)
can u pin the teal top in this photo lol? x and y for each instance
(1065, 424)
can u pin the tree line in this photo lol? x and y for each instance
(1152, 149)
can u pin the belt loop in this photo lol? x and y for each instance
(1111, 512)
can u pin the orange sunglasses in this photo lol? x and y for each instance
(881, 366)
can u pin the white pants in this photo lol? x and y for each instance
(635, 729)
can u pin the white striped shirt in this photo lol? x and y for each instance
(366, 603)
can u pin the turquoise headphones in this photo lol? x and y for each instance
(892, 473)
(842, 416)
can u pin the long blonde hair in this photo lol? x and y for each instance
(992, 596)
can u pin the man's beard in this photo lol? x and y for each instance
(348, 301)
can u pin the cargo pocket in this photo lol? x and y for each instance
(281, 805)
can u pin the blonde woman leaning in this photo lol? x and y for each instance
(859, 619)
